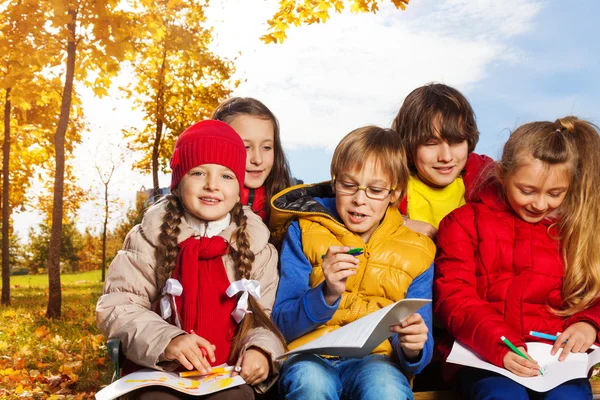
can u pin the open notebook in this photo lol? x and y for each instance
(362, 336)
(577, 365)
(199, 386)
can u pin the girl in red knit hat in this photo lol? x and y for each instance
(195, 282)
(525, 256)
(267, 170)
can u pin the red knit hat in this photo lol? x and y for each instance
(208, 142)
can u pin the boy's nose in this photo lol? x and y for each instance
(444, 154)
(360, 197)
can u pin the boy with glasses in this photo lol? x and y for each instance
(323, 287)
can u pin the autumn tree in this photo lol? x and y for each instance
(307, 12)
(106, 166)
(37, 249)
(29, 109)
(94, 38)
(179, 81)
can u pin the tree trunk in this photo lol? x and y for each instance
(5, 205)
(160, 107)
(104, 231)
(55, 295)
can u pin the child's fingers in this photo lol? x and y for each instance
(567, 349)
(522, 366)
(559, 342)
(417, 338)
(201, 342)
(195, 357)
(238, 366)
(410, 330)
(184, 361)
(413, 319)
(342, 275)
(343, 261)
(333, 250)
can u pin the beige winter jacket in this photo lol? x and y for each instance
(124, 310)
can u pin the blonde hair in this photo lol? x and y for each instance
(565, 141)
(380, 144)
(243, 258)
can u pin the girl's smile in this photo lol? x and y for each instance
(258, 135)
(536, 189)
(209, 191)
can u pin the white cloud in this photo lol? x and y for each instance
(326, 80)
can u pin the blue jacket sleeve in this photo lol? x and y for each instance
(298, 308)
(420, 288)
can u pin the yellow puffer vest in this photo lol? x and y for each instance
(392, 259)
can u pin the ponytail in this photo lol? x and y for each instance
(580, 220)
(243, 258)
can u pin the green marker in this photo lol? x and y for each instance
(357, 251)
(516, 350)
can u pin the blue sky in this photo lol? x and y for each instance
(556, 73)
(515, 60)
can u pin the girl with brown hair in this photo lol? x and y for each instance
(201, 241)
(525, 256)
(267, 170)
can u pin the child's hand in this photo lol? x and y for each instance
(520, 366)
(186, 350)
(254, 366)
(580, 336)
(337, 267)
(421, 227)
(412, 335)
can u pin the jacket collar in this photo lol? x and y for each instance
(256, 229)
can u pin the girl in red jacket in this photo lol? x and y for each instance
(437, 128)
(525, 257)
(267, 170)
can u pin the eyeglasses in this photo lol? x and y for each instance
(372, 192)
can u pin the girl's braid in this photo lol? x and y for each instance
(243, 257)
(166, 251)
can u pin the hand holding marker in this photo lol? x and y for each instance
(516, 350)
(357, 251)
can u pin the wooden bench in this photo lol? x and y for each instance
(449, 395)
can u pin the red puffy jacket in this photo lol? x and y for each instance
(257, 200)
(475, 168)
(497, 275)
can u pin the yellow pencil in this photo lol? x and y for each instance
(215, 370)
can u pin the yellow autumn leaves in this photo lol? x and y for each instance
(306, 12)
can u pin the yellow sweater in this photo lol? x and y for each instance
(431, 205)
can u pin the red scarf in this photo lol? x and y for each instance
(256, 199)
(204, 306)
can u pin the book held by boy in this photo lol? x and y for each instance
(576, 365)
(196, 386)
(361, 337)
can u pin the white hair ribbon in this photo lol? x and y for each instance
(246, 286)
(172, 288)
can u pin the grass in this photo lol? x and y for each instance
(44, 358)
(42, 280)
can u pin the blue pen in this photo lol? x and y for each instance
(553, 337)
(543, 335)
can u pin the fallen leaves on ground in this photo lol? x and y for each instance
(41, 358)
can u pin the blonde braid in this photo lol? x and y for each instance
(166, 251)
